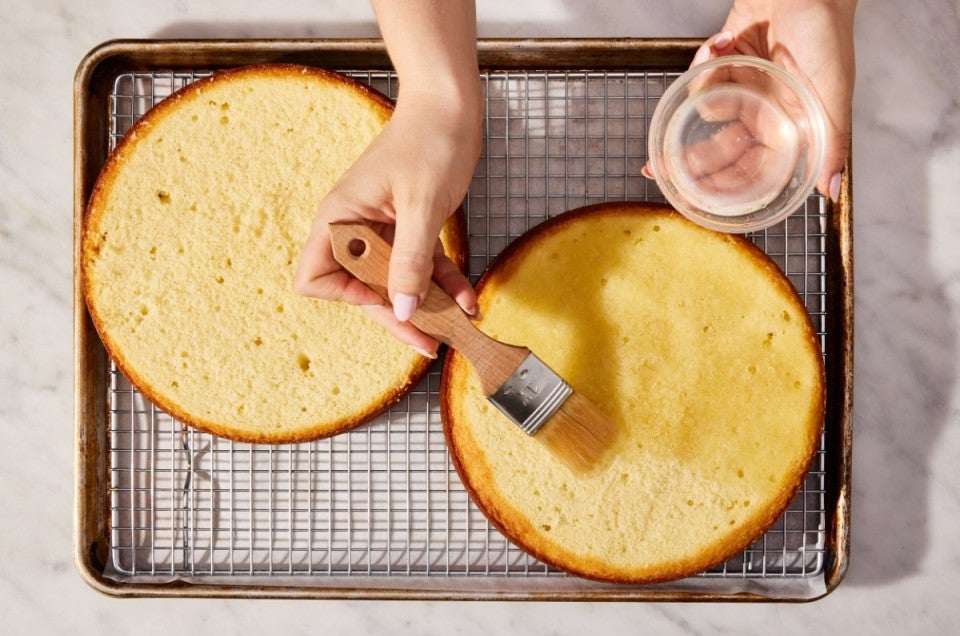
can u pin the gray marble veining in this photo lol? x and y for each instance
(904, 569)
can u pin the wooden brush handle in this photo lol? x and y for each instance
(366, 255)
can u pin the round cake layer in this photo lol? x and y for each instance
(191, 240)
(696, 345)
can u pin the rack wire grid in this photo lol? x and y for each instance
(384, 500)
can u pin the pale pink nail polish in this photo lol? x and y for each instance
(403, 306)
(723, 40)
(703, 54)
(424, 352)
(835, 187)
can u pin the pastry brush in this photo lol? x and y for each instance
(516, 381)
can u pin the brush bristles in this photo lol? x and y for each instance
(578, 433)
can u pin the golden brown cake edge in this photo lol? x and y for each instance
(453, 377)
(455, 229)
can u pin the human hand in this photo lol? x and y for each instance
(812, 39)
(406, 184)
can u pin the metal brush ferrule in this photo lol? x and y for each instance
(531, 394)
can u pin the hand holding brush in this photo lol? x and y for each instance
(517, 382)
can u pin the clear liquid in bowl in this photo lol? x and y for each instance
(731, 150)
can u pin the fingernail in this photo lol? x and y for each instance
(403, 306)
(723, 40)
(835, 187)
(703, 54)
(424, 352)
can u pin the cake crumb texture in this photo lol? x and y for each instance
(191, 241)
(697, 346)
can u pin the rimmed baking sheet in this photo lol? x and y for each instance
(379, 512)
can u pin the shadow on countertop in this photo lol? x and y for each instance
(266, 30)
(906, 348)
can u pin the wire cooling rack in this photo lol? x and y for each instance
(383, 502)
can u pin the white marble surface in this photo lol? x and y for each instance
(905, 564)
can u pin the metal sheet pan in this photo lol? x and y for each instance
(162, 510)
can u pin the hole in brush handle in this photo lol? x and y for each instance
(357, 247)
(363, 253)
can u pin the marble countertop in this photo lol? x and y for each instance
(905, 559)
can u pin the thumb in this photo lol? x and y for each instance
(838, 146)
(411, 262)
(835, 91)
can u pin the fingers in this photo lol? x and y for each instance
(740, 178)
(411, 263)
(449, 277)
(320, 276)
(838, 146)
(833, 185)
(453, 282)
(403, 331)
(719, 44)
(728, 106)
(714, 46)
(723, 149)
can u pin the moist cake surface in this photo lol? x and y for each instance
(700, 349)
(191, 240)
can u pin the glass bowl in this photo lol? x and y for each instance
(736, 143)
